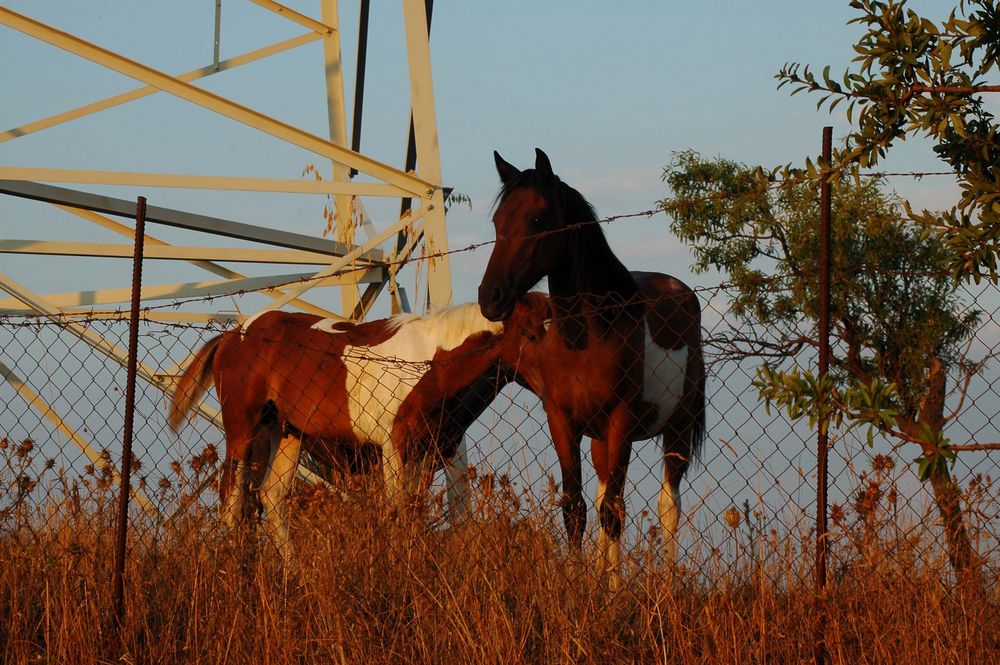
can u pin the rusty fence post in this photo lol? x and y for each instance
(823, 438)
(126, 468)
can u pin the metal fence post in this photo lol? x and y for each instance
(126, 471)
(823, 438)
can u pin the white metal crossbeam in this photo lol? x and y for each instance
(216, 103)
(165, 252)
(183, 220)
(214, 268)
(139, 93)
(318, 27)
(342, 262)
(205, 289)
(184, 181)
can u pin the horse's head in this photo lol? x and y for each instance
(529, 320)
(521, 348)
(530, 243)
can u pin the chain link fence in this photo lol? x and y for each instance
(748, 504)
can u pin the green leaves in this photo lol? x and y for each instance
(909, 82)
(802, 394)
(938, 461)
(895, 309)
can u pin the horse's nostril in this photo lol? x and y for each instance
(496, 296)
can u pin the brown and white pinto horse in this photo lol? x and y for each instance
(621, 361)
(408, 385)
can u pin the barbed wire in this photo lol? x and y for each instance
(910, 174)
(771, 281)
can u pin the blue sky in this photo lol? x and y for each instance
(608, 89)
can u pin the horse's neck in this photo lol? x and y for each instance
(593, 281)
(591, 267)
(477, 358)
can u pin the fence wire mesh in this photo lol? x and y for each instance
(748, 504)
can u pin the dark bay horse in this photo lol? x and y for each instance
(621, 360)
(408, 385)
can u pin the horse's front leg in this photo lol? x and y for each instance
(574, 507)
(456, 473)
(617, 446)
(281, 474)
(599, 456)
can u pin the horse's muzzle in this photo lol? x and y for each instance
(494, 303)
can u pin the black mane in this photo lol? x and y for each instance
(557, 194)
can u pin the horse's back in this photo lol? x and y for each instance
(673, 313)
(280, 365)
(672, 357)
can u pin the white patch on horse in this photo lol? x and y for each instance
(381, 376)
(326, 325)
(663, 379)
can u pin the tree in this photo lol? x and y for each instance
(898, 323)
(917, 77)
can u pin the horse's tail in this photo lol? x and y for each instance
(197, 378)
(698, 404)
(683, 437)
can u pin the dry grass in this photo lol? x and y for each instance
(500, 589)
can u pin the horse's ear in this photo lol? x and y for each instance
(506, 171)
(542, 165)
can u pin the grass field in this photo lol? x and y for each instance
(500, 588)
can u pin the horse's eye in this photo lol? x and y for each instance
(538, 223)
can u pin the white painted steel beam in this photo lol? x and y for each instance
(139, 93)
(180, 219)
(164, 252)
(318, 27)
(417, 186)
(342, 262)
(337, 121)
(428, 155)
(206, 289)
(214, 268)
(184, 181)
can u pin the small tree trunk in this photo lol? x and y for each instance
(947, 494)
(961, 554)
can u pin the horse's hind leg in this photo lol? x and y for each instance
(242, 434)
(265, 439)
(675, 463)
(231, 491)
(278, 482)
(669, 507)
